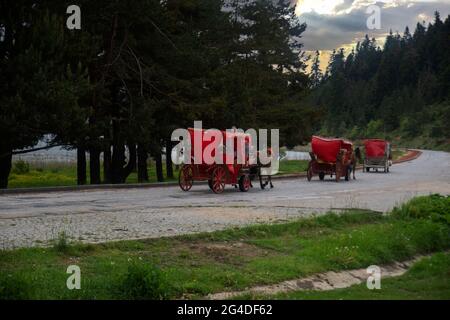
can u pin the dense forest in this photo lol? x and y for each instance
(400, 91)
(139, 69)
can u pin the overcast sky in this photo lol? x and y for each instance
(334, 24)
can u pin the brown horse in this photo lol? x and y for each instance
(356, 156)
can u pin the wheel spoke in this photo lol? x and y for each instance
(186, 178)
(217, 183)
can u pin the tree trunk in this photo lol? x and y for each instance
(120, 169)
(81, 165)
(159, 167)
(142, 164)
(5, 168)
(118, 161)
(107, 176)
(94, 165)
(169, 168)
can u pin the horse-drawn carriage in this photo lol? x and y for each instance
(330, 157)
(238, 173)
(377, 155)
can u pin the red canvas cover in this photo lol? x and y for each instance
(375, 148)
(327, 149)
(225, 137)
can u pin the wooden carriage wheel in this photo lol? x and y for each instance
(218, 180)
(186, 178)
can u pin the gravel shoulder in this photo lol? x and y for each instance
(105, 215)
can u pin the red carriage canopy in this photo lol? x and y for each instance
(375, 147)
(327, 149)
(241, 140)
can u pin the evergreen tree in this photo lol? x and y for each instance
(40, 91)
(316, 72)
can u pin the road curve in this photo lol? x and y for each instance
(103, 215)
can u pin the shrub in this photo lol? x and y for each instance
(145, 282)
(21, 167)
(375, 129)
(355, 133)
(434, 207)
(62, 243)
(410, 126)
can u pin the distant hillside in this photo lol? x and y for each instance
(400, 91)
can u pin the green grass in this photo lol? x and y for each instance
(195, 265)
(434, 207)
(398, 153)
(293, 166)
(62, 174)
(47, 178)
(428, 279)
(427, 143)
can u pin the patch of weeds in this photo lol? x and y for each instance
(145, 282)
(20, 167)
(435, 208)
(79, 249)
(61, 244)
(333, 220)
(228, 279)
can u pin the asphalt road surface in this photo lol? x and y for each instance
(103, 215)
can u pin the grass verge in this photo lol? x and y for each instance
(195, 265)
(293, 166)
(55, 174)
(428, 279)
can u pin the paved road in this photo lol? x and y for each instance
(98, 216)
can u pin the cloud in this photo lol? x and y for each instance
(345, 23)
